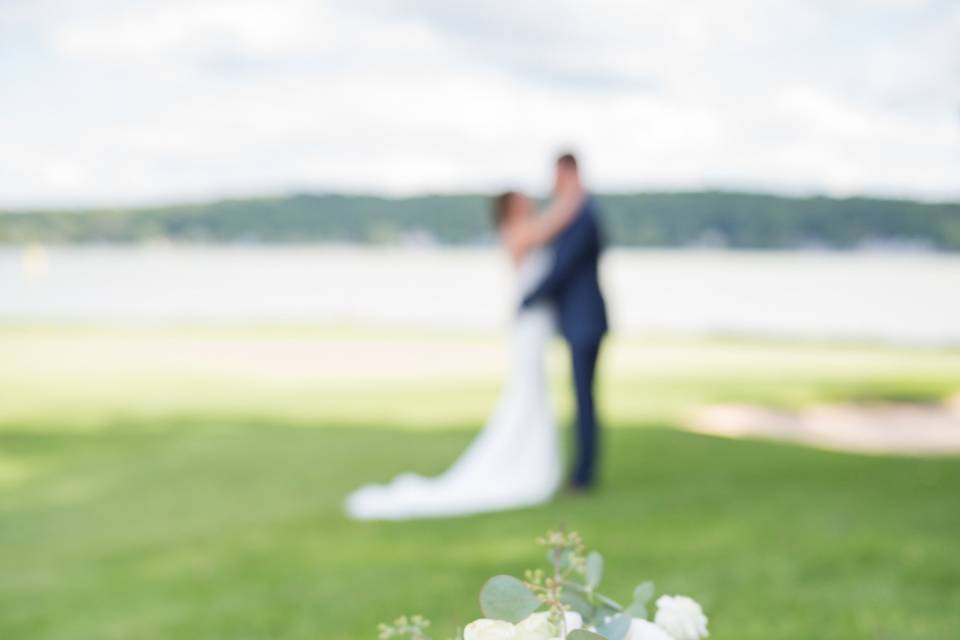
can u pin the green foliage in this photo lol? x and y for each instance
(566, 557)
(738, 220)
(563, 592)
(583, 634)
(414, 627)
(507, 598)
(643, 593)
(616, 628)
(573, 601)
(594, 571)
(641, 596)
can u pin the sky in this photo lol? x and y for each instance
(109, 102)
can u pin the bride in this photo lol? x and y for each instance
(515, 460)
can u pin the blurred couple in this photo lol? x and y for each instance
(515, 461)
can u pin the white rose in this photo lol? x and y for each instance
(681, 617)
(643, 630)
(484, 629)
(537, 626)
(573, 620)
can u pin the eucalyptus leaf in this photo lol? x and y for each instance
(594, 569)
(598, 600)
(637, 610)
(506, 598)
(574, 585)
(643, 593)
(609, 603)
(583, 634)
(616, 628)
(565, 558)
(577, 603)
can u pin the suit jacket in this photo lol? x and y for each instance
(573, 284)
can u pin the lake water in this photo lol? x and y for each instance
(893, 297)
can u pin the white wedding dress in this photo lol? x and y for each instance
(514, 462)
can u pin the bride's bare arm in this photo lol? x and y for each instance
(541, 229)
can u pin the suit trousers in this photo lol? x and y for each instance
(584, 355)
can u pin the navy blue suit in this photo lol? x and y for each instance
(573, 287)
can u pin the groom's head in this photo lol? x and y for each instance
(568, 173)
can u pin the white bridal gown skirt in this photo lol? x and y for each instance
(514, 462)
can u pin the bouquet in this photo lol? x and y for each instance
(564, 603)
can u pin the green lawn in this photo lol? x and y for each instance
(147, 493)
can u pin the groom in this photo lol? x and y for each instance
(572, 285)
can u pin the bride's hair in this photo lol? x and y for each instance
(501, 204)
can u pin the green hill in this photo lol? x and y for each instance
(737, 220)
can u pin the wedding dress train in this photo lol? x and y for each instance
(514, 461)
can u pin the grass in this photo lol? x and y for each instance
(148, 492)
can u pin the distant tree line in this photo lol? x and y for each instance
(736, 220)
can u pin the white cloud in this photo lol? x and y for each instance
(165, 100)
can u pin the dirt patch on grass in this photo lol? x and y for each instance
(883, 428)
